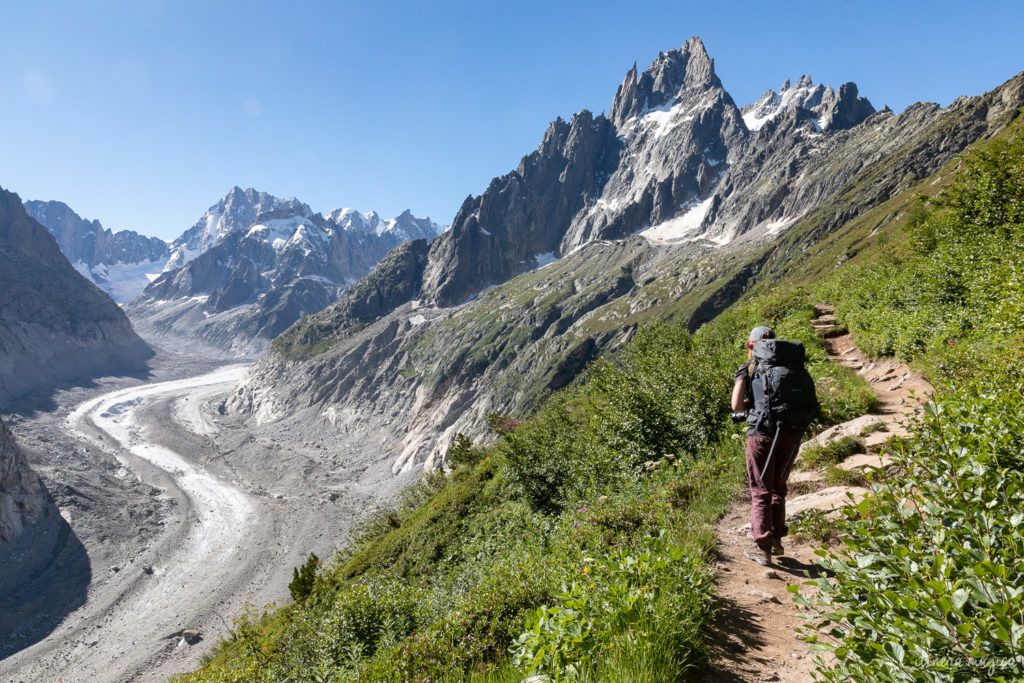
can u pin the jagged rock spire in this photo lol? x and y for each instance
(688, 68)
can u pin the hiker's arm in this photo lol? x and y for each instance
(739, 389)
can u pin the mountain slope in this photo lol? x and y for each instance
(440, 371)
(56, 326)
(122, 263)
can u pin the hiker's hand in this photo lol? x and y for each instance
(742, 373)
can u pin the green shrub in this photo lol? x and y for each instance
(665, 396)
(814, 525)
(614, 603)
(303, 578)
(929, 584)
(836, 476)
(958, 276)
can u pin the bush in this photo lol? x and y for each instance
(666, 396)
(303, 578)
(929, 584)
(614, 604)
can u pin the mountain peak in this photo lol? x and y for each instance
(668, 77)
(834, 110)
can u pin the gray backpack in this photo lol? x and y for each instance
(782, 389)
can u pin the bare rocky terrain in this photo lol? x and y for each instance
(172, 518)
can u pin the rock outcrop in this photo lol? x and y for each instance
(523, 214)
(56, 327)
(89, 242)
(394, 281)
(23, 498)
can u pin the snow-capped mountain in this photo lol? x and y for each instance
(836, 111)
(235, 212)
(404, 227)
(241, 284)
(122, 263)
(672, 202)
(56, 327)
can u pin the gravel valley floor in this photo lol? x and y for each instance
(177, 518)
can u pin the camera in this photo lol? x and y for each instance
(741, 416)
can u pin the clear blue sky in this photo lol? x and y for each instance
(143, 113)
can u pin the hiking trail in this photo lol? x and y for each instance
(754, 633)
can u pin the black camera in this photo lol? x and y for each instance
(741, 416)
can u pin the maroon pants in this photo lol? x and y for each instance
(768, 494)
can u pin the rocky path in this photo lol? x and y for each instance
(755, 632)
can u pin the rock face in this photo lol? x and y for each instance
(660, 151)
(525, 213)
(392, 283)
(260, 277)
(681, 129)
(708, 195)
(23, 498)
(122, 263)
(55, 326)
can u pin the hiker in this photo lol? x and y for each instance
(776, 394)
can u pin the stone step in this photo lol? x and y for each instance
(826, 500)
(864, 461)
(831, 331)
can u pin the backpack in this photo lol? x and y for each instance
(782, 389)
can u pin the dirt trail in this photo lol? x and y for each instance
(755, 631)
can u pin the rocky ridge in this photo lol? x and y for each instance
(55, 325)
(428, 369)
(121, 263)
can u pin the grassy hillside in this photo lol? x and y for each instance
(929, 584)
(577, 544)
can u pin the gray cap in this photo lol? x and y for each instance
(762, 332)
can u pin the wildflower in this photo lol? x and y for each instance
(586, 570)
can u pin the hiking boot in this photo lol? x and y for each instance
(777, 548)
(763, 556)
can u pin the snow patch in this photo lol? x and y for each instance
(545, 259)
(775, 227)
(122, 281)
(681, 227)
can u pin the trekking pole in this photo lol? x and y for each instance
(770, 451)
(792, 456)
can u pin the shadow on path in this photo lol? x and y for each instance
(735, 631)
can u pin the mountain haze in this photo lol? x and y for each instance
(122, 263)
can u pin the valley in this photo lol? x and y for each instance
(507, 439)
(220, 540)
